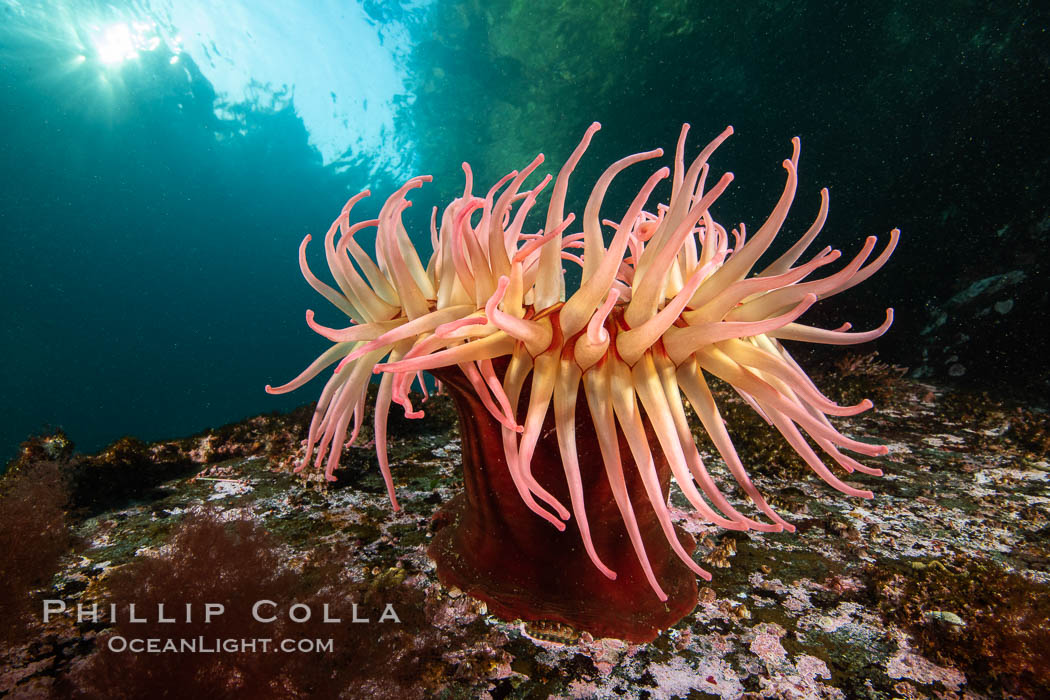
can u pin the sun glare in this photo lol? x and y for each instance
(123, 41)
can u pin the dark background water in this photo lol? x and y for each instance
(150, 220)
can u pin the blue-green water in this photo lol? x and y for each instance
(161, 162)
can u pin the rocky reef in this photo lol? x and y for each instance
(939, 587)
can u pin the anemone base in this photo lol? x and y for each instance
(490, 545)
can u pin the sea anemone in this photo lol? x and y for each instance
(574, 408)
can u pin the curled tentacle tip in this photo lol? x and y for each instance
(330, 477)
(640, 231)
(876, 472)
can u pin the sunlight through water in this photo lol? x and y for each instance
(341, 69)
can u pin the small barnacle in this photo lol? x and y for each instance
(554, 632)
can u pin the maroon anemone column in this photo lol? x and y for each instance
(491, 546)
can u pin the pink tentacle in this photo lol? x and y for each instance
(808, 334)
